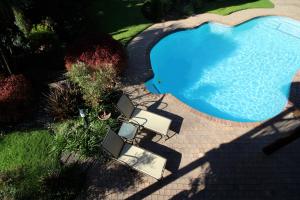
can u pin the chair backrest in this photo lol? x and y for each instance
(125, 106)
(113, 143)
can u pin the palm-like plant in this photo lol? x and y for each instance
(63, 101)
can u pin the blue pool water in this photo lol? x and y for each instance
(240, 73)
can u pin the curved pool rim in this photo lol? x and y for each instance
(174, 99)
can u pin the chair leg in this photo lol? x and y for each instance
(161, 136)
(134, 142)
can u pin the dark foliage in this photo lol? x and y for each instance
(26, 38)
(97, 51)
(68, 15)
(158, 10)
(15, 98)
(12, 44)
(64, 184)
(12, 40)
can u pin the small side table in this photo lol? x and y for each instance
(128, 131)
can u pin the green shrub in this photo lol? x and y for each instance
(95, 86)
(43, 37)
(63, 101)
(45, 26)
(73, 136)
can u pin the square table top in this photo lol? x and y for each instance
(127, 130)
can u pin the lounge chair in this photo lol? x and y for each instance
(135, 157)
(146, 119)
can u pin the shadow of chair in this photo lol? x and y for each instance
(173, 157)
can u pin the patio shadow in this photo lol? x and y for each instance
(105, 179)
(173, 157)
(240, 170)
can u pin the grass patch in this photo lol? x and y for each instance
(28, 151)
(228, 7)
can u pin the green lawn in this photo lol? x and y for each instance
(124, 20)
(28, 151)
(228, 7)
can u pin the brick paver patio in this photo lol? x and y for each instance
(206, 159)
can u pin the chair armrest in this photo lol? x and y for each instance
(136, 123)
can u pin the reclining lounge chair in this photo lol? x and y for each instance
(146, 119)
(135, 157)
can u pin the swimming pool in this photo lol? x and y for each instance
(240, 73)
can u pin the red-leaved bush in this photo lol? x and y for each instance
(15, 98)
(97, 51)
